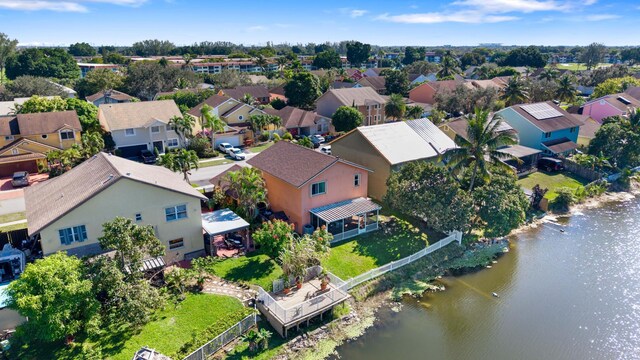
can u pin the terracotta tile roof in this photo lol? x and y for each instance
(257, 91)
(49, 201)
(136, 114)
(564, 121)
(113, 94)
(293, 163)
(214, 101)
(47, 123)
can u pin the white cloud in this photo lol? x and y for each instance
(256, 28)
(353, 13)
(62, 6)
(601, 17)
(487, 11)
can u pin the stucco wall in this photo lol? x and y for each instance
(127, 198)
(423, 94)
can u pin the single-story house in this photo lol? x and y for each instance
(68, 211)
(386, 148)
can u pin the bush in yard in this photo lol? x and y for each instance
(202, 147)
(287, 136)
(347, 118)
(564, 200)
(272, 237)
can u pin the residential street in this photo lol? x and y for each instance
(11, 201)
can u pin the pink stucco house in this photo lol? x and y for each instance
(315, 189)
(610, 105)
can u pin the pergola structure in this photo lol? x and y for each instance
(346, 219)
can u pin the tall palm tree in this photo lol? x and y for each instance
(482, 72)
(249, 189)
(395, 107)
(414, 112)
(212, 122)
(181, 160)
(183, 126)
(448, 66)
(187, 58)
(248, 99)
(480, 148)
(282, 61)
(549, 74)
(515, 92)
(262, 62)
(565, 92)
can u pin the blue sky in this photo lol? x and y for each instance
(392, 22)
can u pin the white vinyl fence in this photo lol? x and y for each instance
(210, 348)
(374, 273)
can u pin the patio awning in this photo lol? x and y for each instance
(149, 264)
(560, 146)
(222, 222)
(519, 151)
(344, 209)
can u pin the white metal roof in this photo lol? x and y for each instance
(344, 209)
(406, 141)
(222, 221)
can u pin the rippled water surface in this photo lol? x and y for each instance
(563, 295)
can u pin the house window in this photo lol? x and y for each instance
(9, 137)
(172, 142)
(177, 243)
(356, 180)
(318, 188)
(14, 151)
(573, 129)
(319, 128)
(240, 117)
(168, 128)
(129, 132)
(67, 135)
(44, 136)
(69, 235)
(155, 129)
(547, 135)
(176, 212)
(138, 217)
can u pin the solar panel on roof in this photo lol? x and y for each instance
(541, 111)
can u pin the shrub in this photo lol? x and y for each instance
(202, 147)
(564, 200)
(272, 236)
(276, 137)
(264, 136)
(287, 136)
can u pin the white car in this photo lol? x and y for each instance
(236, 154)
(225, 147)
(318, 139)
(326, 149)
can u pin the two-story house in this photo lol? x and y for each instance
(137, 126)
(68, 211)
(25, 139)
(426, 92)
(259, 92)
(365, 99)
(109, 97)
(316, 190)
(610, 105)
(301, 122)
(234, 113)
(544, 126)
(377, 83)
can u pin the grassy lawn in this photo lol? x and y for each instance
(13, 217)
(255, 268)
(551, 181)
(577, 66)
(257, 149)
(216, 162)
(368, 251)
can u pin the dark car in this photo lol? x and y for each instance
(20, 178)
(550, 164)
(148, 157)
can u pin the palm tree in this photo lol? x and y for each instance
(187, 58)
(414, 112)
(482, 72)
(212, 122)
(248, 99)
(448, 66)
(181, 160)
(282, 61)
(92, 143)
(251, 337)
(263, 338)
(395, 107)
(565, 92)
(248, 188)
(480, 148)
(548, 74)
(262, 62)
(183, 126)
(514, 92)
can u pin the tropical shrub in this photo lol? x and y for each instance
(272, 237)
(566, 197)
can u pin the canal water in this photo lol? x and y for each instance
(566, 291)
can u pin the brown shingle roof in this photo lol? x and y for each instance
(565, 121)
(616, 100)
(356, 96)
(114, 94)
(377, 83)
(444, 85)
(47, 123)
(218, 179)
(634, 92)
(136, 114)
(293, 163)
(293, 117)
(9, 125)
(257, 91)
(214, 101)
(53, 199)
(590, 127)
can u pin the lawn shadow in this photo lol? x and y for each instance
(254, 268)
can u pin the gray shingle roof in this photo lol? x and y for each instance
(47, 202)
(357, 96)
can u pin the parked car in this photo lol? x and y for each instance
(317, 139)
(550, 164)
(236, 154)
(225, 147)
(326, 149)
(148, 157)
(20, 178)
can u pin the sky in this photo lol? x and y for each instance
(256, 22)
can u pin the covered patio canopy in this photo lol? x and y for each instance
(560, 146)
(222, 221)
(347, 218)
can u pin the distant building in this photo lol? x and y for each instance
(86, 67)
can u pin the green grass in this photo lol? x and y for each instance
(216, 162)
(577, 66)
(374, 249)
(551, 181)
(255, 268)
(262, 147)
(13, 217)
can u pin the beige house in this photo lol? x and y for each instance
(234, 113)
(386, 148)
(365, 99)
(68, 211)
